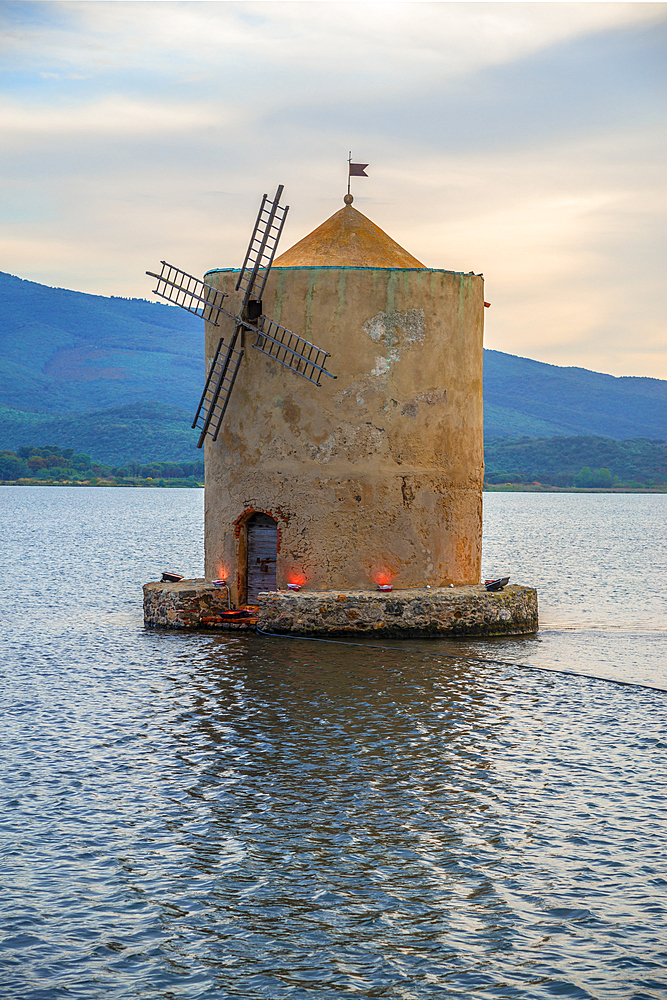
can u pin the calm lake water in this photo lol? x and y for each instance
(218, 816)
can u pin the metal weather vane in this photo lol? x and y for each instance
(355, 170)
(272, 339)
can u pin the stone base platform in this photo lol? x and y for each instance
(402, 614)
(192, 604)
(407, 614)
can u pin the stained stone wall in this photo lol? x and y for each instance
(379, 470)
(186, 604)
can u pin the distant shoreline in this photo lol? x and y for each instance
(143, 484)
(539, 488)
(491, 488)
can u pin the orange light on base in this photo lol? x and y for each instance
(383, 578)
(295, 579)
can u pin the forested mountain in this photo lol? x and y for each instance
(140, 432)
(64, 351)
(121, 378)
(524, 397)
(563, 461)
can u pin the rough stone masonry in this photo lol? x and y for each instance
(409, 614)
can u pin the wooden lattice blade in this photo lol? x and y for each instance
(295, 353)
(217, 390)
(189, 293)
(262, 248)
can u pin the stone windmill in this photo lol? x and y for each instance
(377, 475)
(372, 479)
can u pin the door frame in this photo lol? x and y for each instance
(241, 532)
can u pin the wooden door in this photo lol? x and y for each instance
(262, 551)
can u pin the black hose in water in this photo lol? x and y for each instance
(464, 656)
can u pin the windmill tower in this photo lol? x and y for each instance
(369, 476)
(376, 476)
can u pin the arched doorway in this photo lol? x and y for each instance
(262, 552)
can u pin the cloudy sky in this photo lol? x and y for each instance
(522, 140)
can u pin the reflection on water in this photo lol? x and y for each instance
(207, 816)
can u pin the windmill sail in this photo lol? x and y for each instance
(219, 384)
(183, 289)
(262, 248)
(190, 293)
(294, 352)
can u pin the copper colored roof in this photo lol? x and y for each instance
(347, 239)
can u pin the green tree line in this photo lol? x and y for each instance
(583, 461)
(52, 462)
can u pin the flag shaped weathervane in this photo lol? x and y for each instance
(355, 170)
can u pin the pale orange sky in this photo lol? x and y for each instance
(525, 141)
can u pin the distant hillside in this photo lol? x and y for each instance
(63, 351)
(141, 432)
(51, 464)
(559, 461)
(524, 397)
(120, 378)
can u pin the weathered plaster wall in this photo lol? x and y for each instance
(381, 469)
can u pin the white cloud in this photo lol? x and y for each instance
(408, 43)
(520, 139)
(114, 115)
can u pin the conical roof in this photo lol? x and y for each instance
(347, 239)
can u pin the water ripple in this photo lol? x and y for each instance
(213, 816)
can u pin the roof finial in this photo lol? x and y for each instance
(348, 199)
